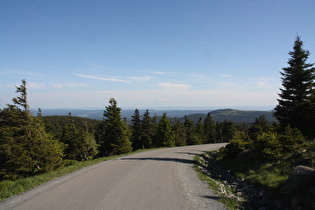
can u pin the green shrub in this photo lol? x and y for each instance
(291, 139)
(239, 142)
(269, 146)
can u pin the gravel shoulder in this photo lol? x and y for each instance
(195, 192)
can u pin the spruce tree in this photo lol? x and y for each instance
(25, 147)
(165, 135)
(113, 134)
(136, 137)
(295, 104)
(199, 132)
(225, 131)
(180, 134)
(190, 129)
(209, 129)
(147, 130)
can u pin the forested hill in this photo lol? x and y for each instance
(219, 115)
(234, 115)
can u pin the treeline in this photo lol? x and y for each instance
(35, 144)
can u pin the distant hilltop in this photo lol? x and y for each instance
(219, 115)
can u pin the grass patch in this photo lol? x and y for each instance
(10, 188)
(269, 176)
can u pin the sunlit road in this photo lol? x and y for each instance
(159, 179)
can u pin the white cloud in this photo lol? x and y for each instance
(228, 84)
(224, 75)
(70, 85)
(58, 85)
(141, 79)
(36, 85)
(267, 82)
(161, 72)
(101, 78)
(172, 86)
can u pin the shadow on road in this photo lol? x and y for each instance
(211, 197)
(163, 159)
(187, 153)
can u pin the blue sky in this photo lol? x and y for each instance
(150, 53)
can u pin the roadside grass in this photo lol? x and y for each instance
(10, 188)
(270, 176)
(226, 194)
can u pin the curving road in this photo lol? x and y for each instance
(158, 179)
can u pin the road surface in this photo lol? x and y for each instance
(158, 179)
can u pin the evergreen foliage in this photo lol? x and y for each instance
(148, 127)
(296, 103)
(209, 129)
(179, 133)
(225, 131)
(136, 137)
(80, 144)
(165, 135)
(56, 123)
(25, 147)
(113, 134)
(191, 136)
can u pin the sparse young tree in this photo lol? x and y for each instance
(89, 145)
(295, 107)
(80, 144)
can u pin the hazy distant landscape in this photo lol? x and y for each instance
(219, 115)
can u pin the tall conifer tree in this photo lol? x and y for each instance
(180, 133)
(295, 104)
(147, 130)
(164, 135)
(113, 134)
(136, 136)
(209, 129)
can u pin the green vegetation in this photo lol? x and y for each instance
(225, 193)
(25, 147)
(264, 154)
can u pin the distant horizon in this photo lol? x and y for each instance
(201, 108)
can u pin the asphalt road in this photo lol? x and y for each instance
(159, 179)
